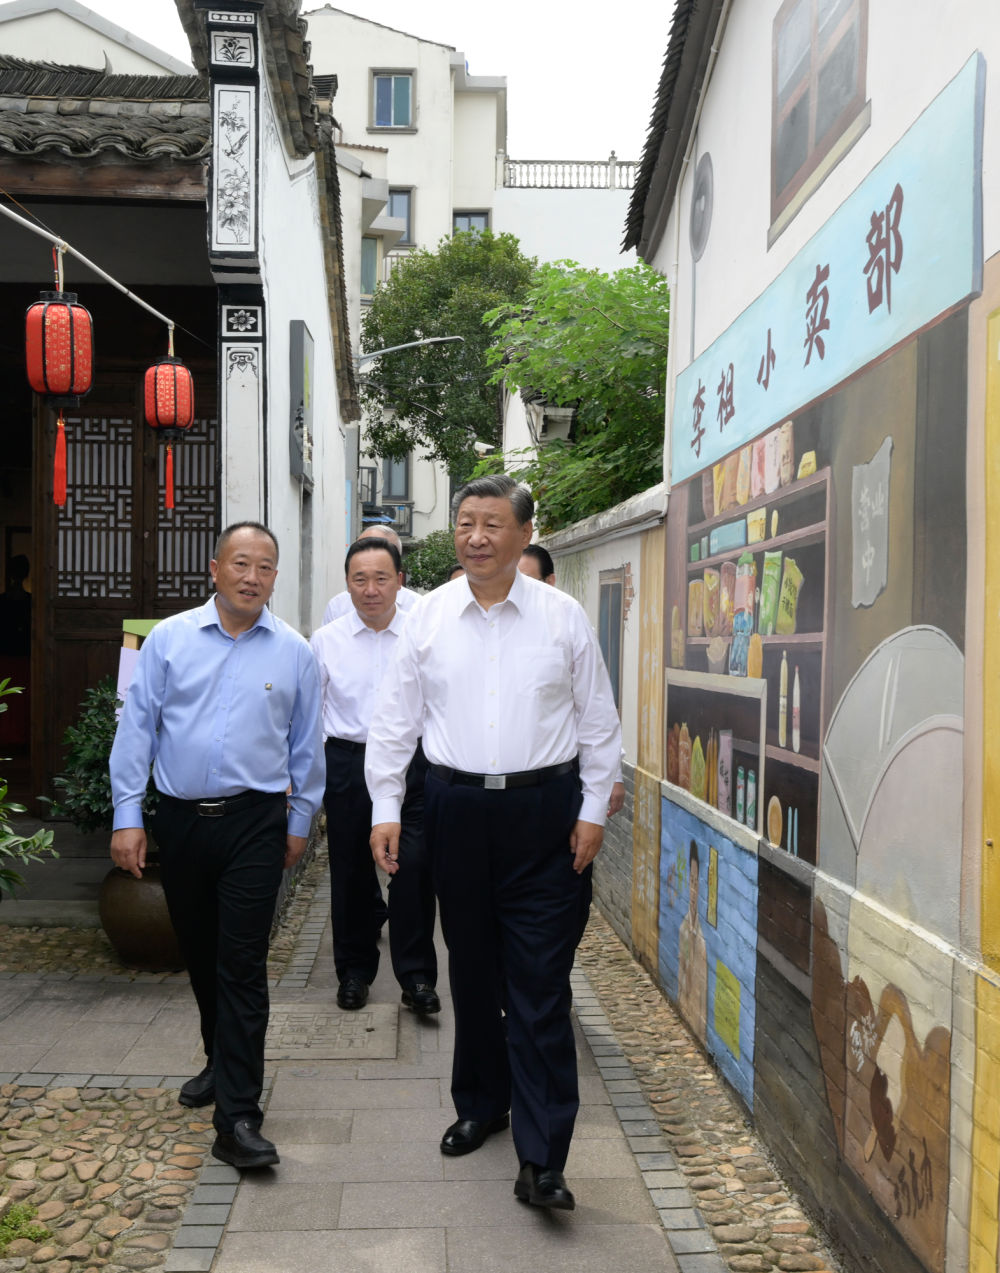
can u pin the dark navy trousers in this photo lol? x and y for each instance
(221, 878)
(512, 909)
(357, 906)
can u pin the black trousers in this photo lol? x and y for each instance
(221, 878)
(357, 907)
(512, 909)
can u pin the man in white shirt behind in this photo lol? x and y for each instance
(341, 603)
(503, 678)
(352, 653)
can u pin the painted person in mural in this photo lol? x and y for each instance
(692, 956)
(504, 680)
(225, 706)
(352, 653)
(537, 563)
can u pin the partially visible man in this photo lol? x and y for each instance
(504, 680)
(537, 563)
(225, 704)
(342, 604)
(353, 653)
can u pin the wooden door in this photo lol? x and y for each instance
(112, 552)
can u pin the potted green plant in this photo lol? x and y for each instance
(13, 847)
(133, 911)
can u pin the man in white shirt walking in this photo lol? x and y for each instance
(352, 653)
(504, 680)
(342, 603)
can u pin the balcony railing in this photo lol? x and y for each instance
(569, 174)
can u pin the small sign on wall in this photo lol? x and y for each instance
(870, 527)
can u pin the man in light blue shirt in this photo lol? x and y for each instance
(225, 704)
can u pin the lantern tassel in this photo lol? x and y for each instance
(168, 499)
(59, 467)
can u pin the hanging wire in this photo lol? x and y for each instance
(60, 246)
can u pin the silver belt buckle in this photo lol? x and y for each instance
(211, 808)
(495, 782)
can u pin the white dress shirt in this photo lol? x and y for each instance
(522, 685)
(342, 604)
(352, 659)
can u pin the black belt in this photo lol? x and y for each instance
(211, 808)
(345, 744)
(503, 782)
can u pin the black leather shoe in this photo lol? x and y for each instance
(245, 1147)
(200, 1090)
(466, 1135)
(352, 994)
(422, 998)
(543, 1187)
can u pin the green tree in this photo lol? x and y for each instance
(597, 342)
(439, 396)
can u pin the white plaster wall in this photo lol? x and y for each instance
(352, 48)
(578, 573)
(57, 37)
(475, 133)
(903, 77)
(586, 226)
(294, 273)
(430, 491)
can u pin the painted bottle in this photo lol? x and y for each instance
(783, 701)
(752, 799)
(796, 712)
(740, 791)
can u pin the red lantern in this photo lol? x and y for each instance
(169, 408)
(59, 348)
(59, 343)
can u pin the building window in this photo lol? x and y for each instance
(401, 206)
(392, 94)
(369, 265)
(819, 57)
(609, 627)
(395, 479)
(476, 221)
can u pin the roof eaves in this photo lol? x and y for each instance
(692, 32)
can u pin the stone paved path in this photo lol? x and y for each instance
(667, 1174)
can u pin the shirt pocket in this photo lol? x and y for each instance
(542, 674)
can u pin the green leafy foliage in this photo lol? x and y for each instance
(597, 342)
(13, 847)
(18, 1221)
(86, 781)
(439, 396)
(427, 566)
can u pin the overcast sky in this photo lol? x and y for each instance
(577, 88)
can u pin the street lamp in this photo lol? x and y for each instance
(362, 360)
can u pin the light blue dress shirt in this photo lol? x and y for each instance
(217, 715)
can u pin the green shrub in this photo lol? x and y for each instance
(85, 782)
(17, 848)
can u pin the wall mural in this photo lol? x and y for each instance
(707, 943)
(816, 598)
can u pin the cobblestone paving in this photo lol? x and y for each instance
(111, 1171)
(757, 1223)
